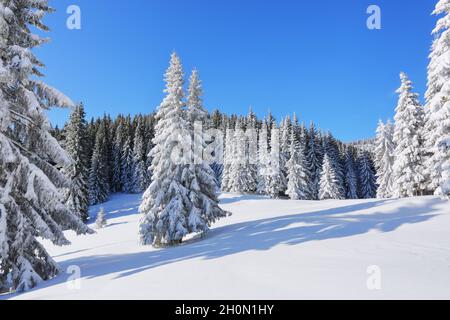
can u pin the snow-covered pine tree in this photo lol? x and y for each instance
(315, 158)
(437, 134)
(285, 144)
(117, 146)
(409, 121)
(228, 159)
(296, 127)
(351, 180)
(240, 176)
(141, 178)
(215, 123)
(165, 205)
(128, 166)
(91, 133)
(198, 176)
(298, 179)
(150, 123)
(331, 147)
(367, 178)
(304, 144)
(98, 174)
(275, 182)
(109, 129)
(31, 203)
(252, 151)
(100, 220)
(271, 123)
(329, 182)
(384, 159)
(77, 147)
(263, 160)
(216, 119)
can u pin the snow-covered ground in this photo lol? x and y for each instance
(268, 249)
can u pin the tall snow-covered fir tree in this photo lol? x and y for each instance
(351, 179)
(98, 175)
(141, 176)
(228, 159)
(263, 160)
(252, 151)
(297, 169)
(275, 176)
(241, 179)
(329, 182)
(315, 159)
(117, 147)
(331, 147)
(285, 144)
(367, 176)
(408, 164)
(384, 159)
(166, 205)
(31, 201)
(128, 167)
(77, 147)
(437, 135)
(198, 177)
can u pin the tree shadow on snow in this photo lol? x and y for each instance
(259, 235)
(238, 198)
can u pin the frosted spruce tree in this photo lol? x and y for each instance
(384, 159)
(408, 164)
(240, 174)
(98, 175)
(437, 134)
(128, 167)
(314, 158)
(302, 133)
(31, 201)
(275, 181)
(351, 180)
(367, 177)
(100, 221)
(329, 182)
(198, 177)
(228, 159)
(252, 151)
(297, 187)
(117, 147)
(77, 147)
(140, 172)
(166, 205)
(331, 147)
(263, 160)
(285, 144)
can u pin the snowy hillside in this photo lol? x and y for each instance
(268, 249)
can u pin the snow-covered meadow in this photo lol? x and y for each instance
(268, 249)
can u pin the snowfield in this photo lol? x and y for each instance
(268, 249)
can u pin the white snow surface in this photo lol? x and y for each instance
(268, 249)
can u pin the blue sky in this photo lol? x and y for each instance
(315, 58)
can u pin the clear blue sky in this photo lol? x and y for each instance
(316, 58)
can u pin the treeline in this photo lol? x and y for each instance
(291, 160)
(113, 156)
